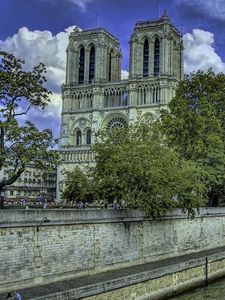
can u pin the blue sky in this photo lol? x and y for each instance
(37, 30)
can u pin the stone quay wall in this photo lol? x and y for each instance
(81, 242)
(166, 283)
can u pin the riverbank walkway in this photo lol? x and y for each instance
(81, 287)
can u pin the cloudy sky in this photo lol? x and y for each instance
(37, 31)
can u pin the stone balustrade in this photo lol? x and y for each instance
(77, 155)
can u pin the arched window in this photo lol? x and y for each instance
(145, 58)
(156, 57)
(92, 64)
(116, 122)
(88, 137)
(110, 66)
(78, 140)
(81, 66)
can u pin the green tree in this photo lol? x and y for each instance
(194, 126)
(78, 187)
(133, 164)
(22, 143)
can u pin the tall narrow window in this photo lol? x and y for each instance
(145, 58)
(110, 66)
(92, 64)
(156, 57)
(81, 66)
(89, 137)
(78, 141)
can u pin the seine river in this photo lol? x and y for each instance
(215, 290)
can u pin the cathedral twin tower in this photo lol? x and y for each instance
(94, 96)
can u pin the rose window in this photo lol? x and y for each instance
(117, 122)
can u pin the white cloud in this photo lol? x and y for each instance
(50, 117)
(81, 3)
(124, 74)
(211, 8)
(200, 53)
(41, 46)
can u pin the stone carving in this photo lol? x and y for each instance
(82, 123)
(64, 129)
(102, 42)
(166, 29)
(76, 29)
(127, 113)
(71, 47)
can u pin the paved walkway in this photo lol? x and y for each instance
(110, 275)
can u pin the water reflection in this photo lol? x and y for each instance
(215, 290)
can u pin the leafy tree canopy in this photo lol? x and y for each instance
(21, 91)
(133, 165)
(194, 126)
(78, 187)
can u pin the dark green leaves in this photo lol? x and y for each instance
(133, 164)
(194, 125)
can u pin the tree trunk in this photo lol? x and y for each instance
(1, 200)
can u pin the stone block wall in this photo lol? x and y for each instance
(79, 242)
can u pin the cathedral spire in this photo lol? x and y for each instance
(164, 16)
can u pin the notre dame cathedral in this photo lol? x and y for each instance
(94, 96)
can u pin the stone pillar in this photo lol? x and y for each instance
(172, 57)
(132, 94)
(98, 63)
(71, 65)
(101, 97)
(139, 58)
(162, 56)
(133, 58)
(162, 95)
(118, 66)
(101, 63)
(83, 138)
(165, 55)
(97, 101)
(181, 60)
(68, 54)
(113, 66)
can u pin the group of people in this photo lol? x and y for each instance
(13, 296)
(80, 205)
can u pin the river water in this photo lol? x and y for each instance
(215, 290)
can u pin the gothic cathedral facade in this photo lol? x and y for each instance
(94, 96)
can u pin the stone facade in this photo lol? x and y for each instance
(94, 96)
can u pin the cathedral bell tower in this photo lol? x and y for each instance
(92, 56)
(156, 50)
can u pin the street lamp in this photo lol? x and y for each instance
(44, 220)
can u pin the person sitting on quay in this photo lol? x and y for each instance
(13, 296)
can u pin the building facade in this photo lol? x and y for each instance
(33, 186)
(94, 96)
